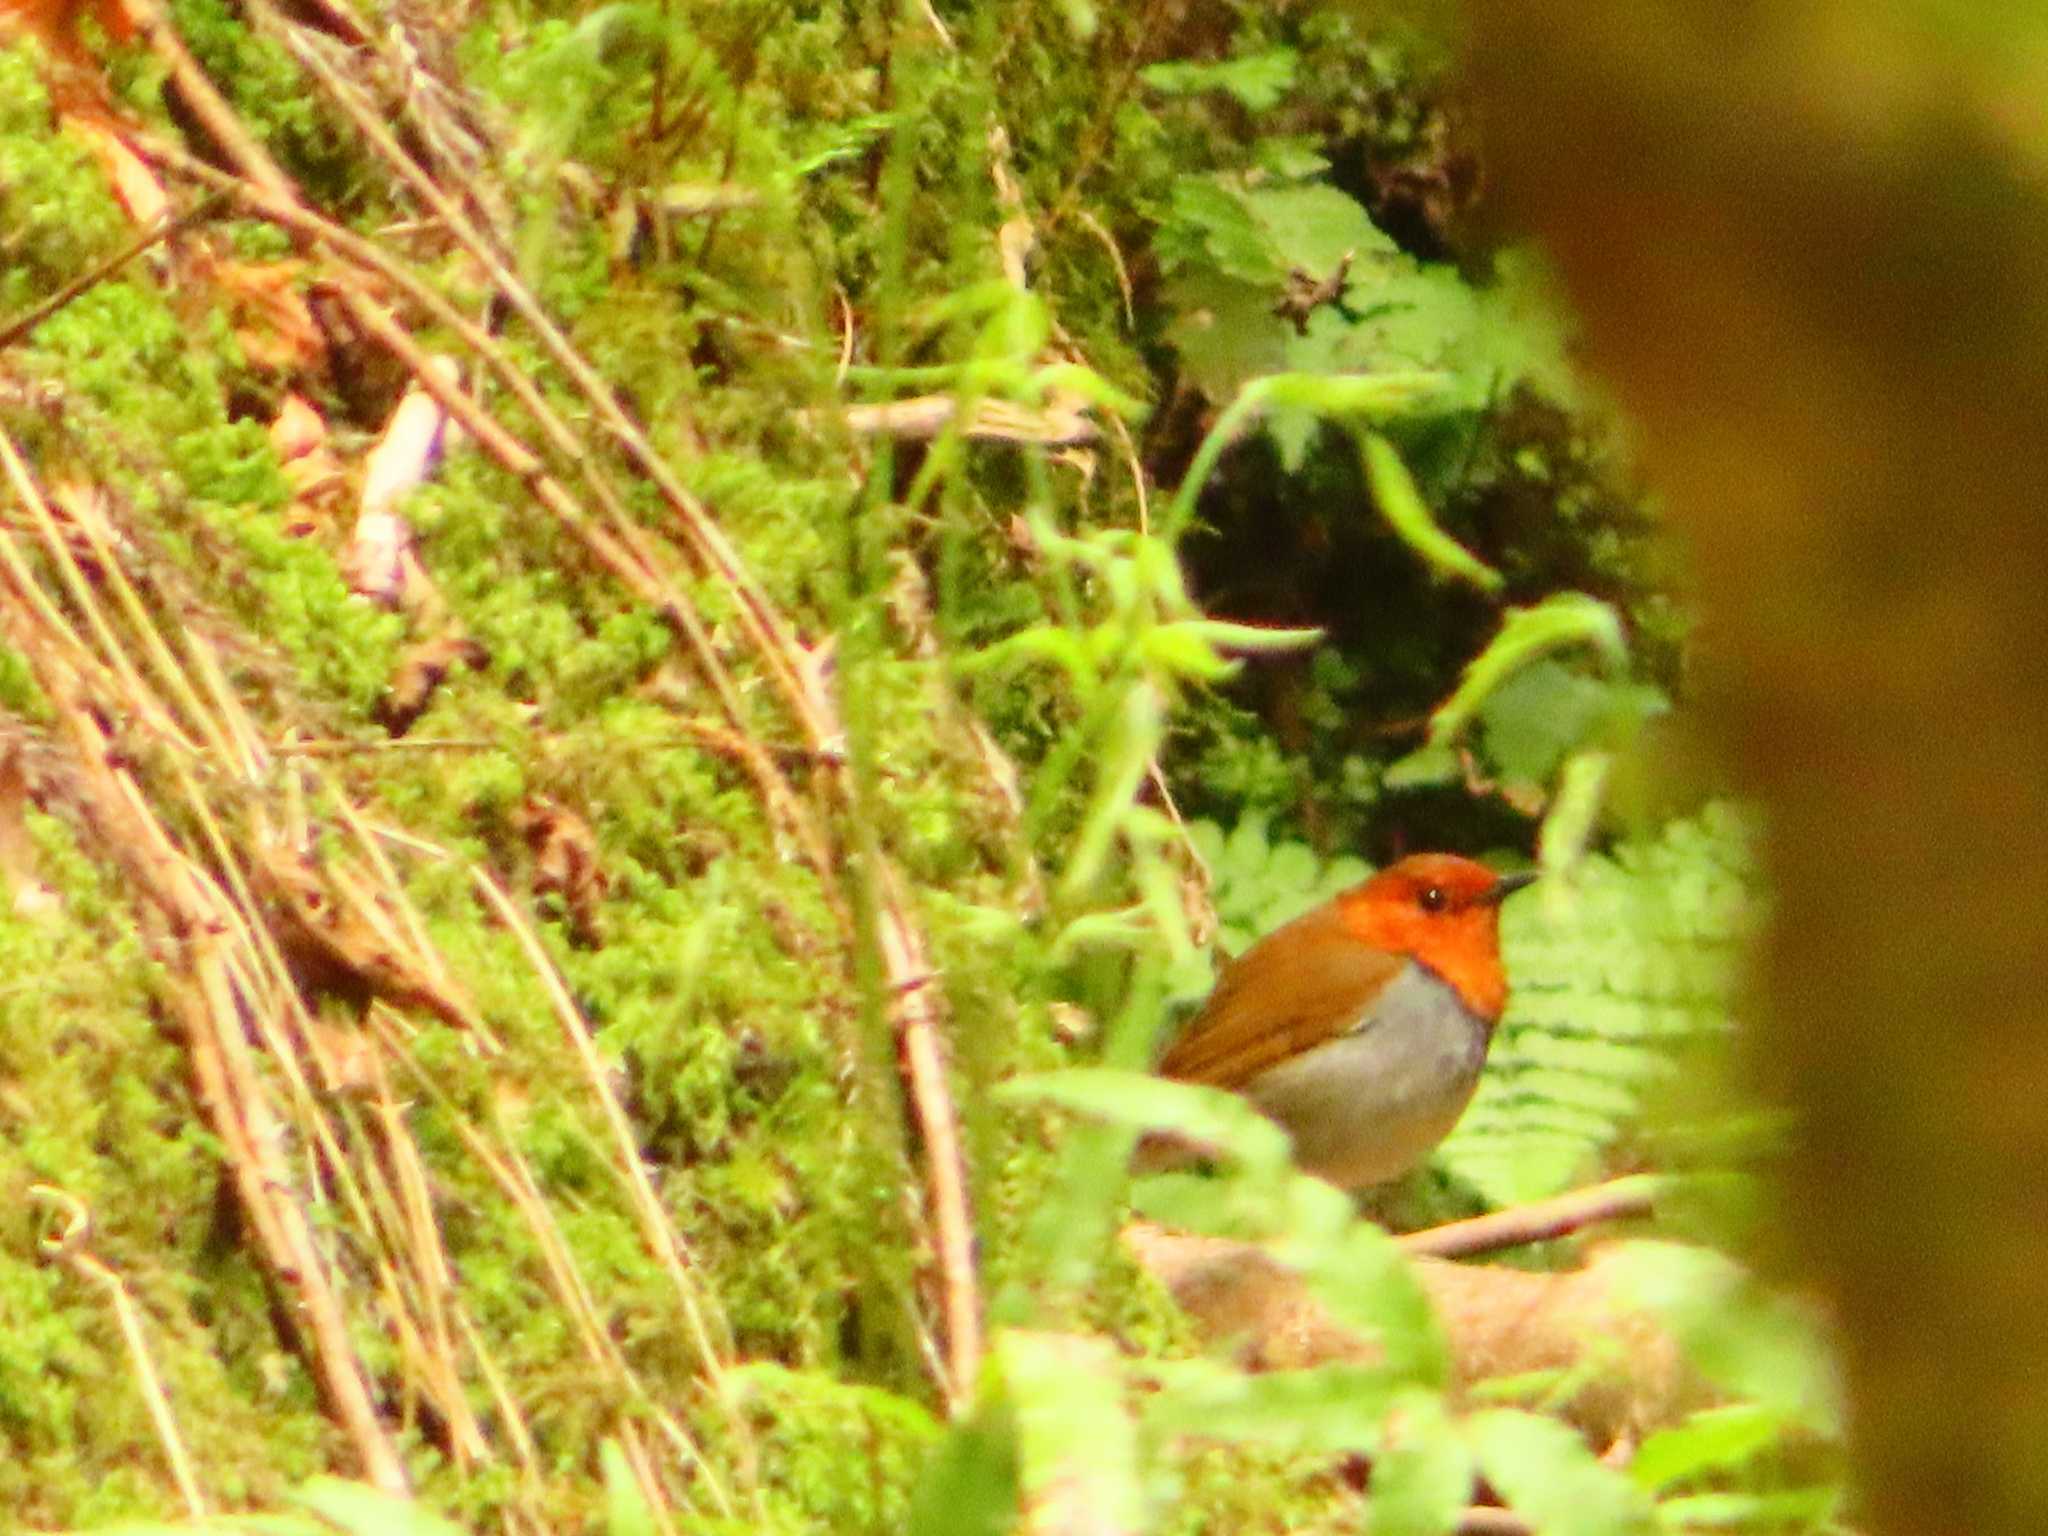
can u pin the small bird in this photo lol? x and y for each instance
(1361, 1027)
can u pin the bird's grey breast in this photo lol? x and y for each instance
(1369, 1104)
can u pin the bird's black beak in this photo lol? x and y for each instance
(1507, 885)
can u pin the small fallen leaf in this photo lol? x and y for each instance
(565, 864)
(422, 669)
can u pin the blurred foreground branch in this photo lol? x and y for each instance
(1806, 243)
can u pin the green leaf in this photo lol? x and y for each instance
(1257, 80)
(1528, 634)
(1209, 226)
(1129, 929)
(1181, 651)
(1569, 825)
(1077, 1442)
(1546, 1473)
(1784, 1509)
(361, 1510)
(1422, 1472)
(1401, 504)
(1138, 1101)
(1548, 710)
(969, 1486)
(1314, 227)
(1428, 765)
(1361, 1275)
(1743, 1340)
(1251, 1204)
(1324, 1409)
(1364, 397)
(626, 1512)
(1061, 647)
(1253, 639)
(1711, 1440)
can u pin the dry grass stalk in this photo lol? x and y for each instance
(69, 1246)
(200, 934)
(624, 550)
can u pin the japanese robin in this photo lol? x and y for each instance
(1361, 1027)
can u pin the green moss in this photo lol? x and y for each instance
(92, 1100)
(57, 212)
(728, 1019)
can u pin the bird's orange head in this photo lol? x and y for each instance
(1443, 911)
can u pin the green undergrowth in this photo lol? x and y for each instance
(96, 1111)
(1406, 595)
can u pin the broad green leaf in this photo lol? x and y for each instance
(1323, 1409)
(1422, 1472)
(626, 1512)
(1257, 80)
(1368, 1284)
(1788, 1509)
(1743, 1340)
(1209, 225)
(361, 1510)
(1429, 764)
(1550, 709)
(1077, 1443)
(1274, 1205)
(1546, 1473)
(1711, 1440)
(1140, 1102)
(1314, 226)
(969, 1485)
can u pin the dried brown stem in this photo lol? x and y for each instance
(69, 1246)
(206, 104)
(623, 549)
(1540, 1220)
(202, 946)
(15, 329)
(920, 1042)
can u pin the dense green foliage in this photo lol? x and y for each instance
(1336, 578)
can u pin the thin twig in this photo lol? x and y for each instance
(916, 1008)
(69, 1246)
(1541, 1220)
(770, 631)
(218, 1004)
(14, 330)
(509, 1170)
(623, 548)
(660, 1233)
(204, 101)
(343, 748)
(1492, 1520)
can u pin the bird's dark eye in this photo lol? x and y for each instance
(1433, 898)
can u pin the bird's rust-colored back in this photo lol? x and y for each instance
(1313, 979)
(1297, 987)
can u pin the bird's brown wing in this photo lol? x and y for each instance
(1304, 983)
